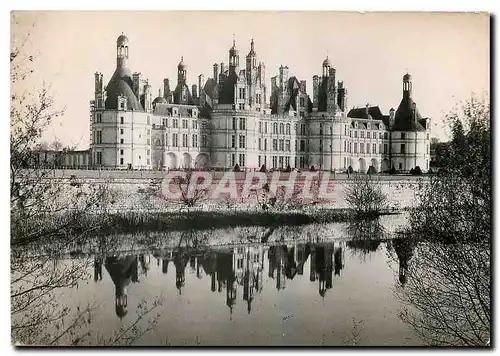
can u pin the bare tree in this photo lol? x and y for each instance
(364, 196)
(47, 215)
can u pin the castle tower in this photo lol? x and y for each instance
(121, 51)
(181, 72)
(234, 59)
(407, 86)
(216, 73)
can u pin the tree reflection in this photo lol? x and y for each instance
(365, 236)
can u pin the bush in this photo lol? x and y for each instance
(364, 196)
(392, 170)
(417, 171)
(237, 168)
(313, 169)
(288, 169)
(350, 170)
(263, 169)
(371, 170)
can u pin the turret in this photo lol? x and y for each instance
(121, 51)
(181, 72)
(407, 86)
(234, 58)
(315, 91)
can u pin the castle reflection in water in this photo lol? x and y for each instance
(238, 271)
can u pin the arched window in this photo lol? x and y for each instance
(282, 128)
(275, 128)
(288, 129)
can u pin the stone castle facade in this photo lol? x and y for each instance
(234, 118)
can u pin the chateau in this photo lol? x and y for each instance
(233, 118)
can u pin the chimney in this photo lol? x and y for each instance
(166, 88)
(216, 72)
(194, 91)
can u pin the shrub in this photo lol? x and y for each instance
(371, 170)
(417, 171)
(313, 169)
(350, 170)
(392, 171)
(263, 169)
(364, 196)
(288, 169)
(237, 168)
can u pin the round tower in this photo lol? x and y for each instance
(234, 58)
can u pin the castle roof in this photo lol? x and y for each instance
(360, 113)
(407, 118)
(121, 84)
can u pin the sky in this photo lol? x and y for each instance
(447, 54)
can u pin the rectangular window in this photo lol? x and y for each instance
(98, 157)
(302, 145)
(184, 140)
(148, 152)
(242, 141)
(175, 123)
(385, 148)
(148, 120)
(265, 144)
(321, 145)
(260, 145)
(302, 101)
(385, 135)
(403, 148)
(367, 148)
(275, 144)
(121, 141)
(149, 132)
(242, 160)
(287, 130)
(287, 145)
(121, 152)
(400, 165)
(195, 124)
(233, 141)
(355, 134)
(121, 160)
(361, 148)
(260, 127)
(233, 160)
(165, 121)
(427, 135)
(260, 161)
(362, 134)
(121, 131)
(280, 162)
(166, 140)
(345, 146)
(321, 129)
(195, 140)
(355, 148)
(175, 140)
(403, 135)
(380, 135)
(265, 127)
(301, 114)
(204, 142)
(122, 120)
(234, 123)
(98, 137)
(241, 106)
(184, 124)
(302, 129)
(148, 141)
(275, 128)
(281, 145)
(375, 148)
(242, 123)
(275, 162)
